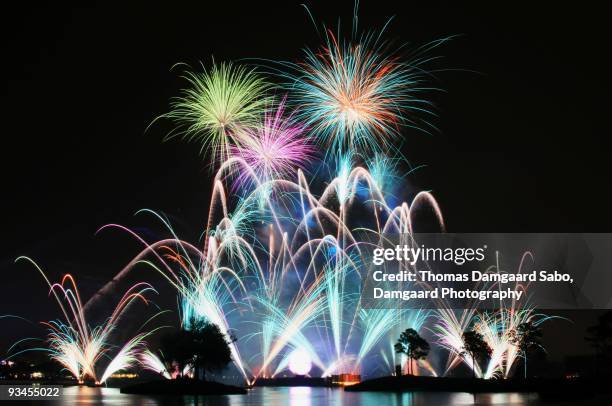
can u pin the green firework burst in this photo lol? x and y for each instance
(217, 106)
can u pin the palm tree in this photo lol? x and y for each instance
(411, 344)
(476, 347)
(526, 336)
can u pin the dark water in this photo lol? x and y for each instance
(300, 396)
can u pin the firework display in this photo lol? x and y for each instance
(218, 106)
(357, 94)
(81, 348)
(307, 176)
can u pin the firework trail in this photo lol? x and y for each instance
(287, 281)
(76, 345)
(496, 326)
(283, 255)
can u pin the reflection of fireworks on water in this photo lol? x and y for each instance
(77, 346)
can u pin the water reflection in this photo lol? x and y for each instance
(296, 396)
(300, 396)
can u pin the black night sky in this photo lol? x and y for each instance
(523, 142)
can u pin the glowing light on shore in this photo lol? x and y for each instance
(300, 362)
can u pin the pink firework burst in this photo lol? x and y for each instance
(275, 149)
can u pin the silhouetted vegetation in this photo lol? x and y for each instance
(476, 347)
(600, 338)
(411, 344)
(527, 337)
(201, 348)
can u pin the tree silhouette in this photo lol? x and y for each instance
(176, 348)
(203, 347)
(525, 337)
(412, 345)
(211, 348)
(600, 338)
(476, 347)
